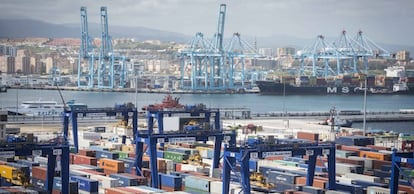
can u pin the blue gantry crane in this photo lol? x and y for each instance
(87, 57)
(242, 155)
(206, 59)
(397, 159)
(110, 71)
(319, 58)
(74, 113)
(106, 57)
(237, 51)
(202, 132)
(53, 149)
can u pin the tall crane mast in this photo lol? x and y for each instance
(220, 27)
(85, 72)
(106, 58)
(106, 45)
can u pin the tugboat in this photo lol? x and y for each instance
(334, 120)
(167, 103)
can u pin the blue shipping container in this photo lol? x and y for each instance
(281, 177)
(171, 180)
(57, 185)
(85, 184)
(28, 163)
(38, 183)
(106, 154)
(125, 180)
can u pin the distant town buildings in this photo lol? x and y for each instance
(286, 51)
(402, 56)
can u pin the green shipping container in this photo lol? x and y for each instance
(175, 156)
(122, 155)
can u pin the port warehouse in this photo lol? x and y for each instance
(103, 165)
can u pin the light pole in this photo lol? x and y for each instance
(364, 126)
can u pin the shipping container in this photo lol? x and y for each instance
(175, 156)
(57, 185)
(85, 184)
(128, 180)
(375, 155)
(112, 165)
(86, 152)
(39, 172)
(106, 154)
(171, 181)
(80, 159)
(197, 182)
(104, 181)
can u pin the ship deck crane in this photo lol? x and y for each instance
(242, 155)
(74, 114)
(397, 159)
(51, 150)
(151, 138)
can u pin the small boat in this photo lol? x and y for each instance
(338, 122)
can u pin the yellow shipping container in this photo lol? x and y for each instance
(8, 172)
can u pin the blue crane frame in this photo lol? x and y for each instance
(151, 138)
(73, 114)
(51, 150)
(397, 159)
(242, 156)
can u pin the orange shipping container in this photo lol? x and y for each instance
(375, 155)
(112, 165)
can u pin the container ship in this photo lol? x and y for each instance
(341, 85)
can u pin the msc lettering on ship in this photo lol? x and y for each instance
(334, 90)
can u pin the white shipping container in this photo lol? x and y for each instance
(336, 192)
(362, 177)
(342, 168)
(170, 165)
(90, 135)
(104, 181)
(41, 160)
(380, 190)
(189, 167)
(343, 180)
(171, 123)
(367, 161)
(269, 163)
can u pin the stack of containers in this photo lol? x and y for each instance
(171, 182)
(106, 154)
(197, 184)
(111, 166)
(86, 185)
(39, 175)
(125, 179)
(57, 186)
(281, 180)
(81, 159)
(104, 181)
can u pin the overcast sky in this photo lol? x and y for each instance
(385, 21)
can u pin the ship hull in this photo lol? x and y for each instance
(275, 88)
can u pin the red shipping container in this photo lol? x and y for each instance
(80, 159)
(131, 191)
(86, 152)
(71, 158)
(93, 172)
(39, 172)
(309, 136)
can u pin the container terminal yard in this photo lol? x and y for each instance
(174, 148)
